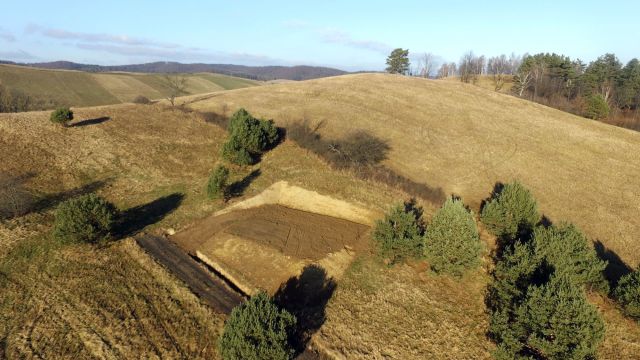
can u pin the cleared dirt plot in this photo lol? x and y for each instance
(262, 247)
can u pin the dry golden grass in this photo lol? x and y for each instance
(116, 301)
(465, 139)
(406, 313)
(83, 302)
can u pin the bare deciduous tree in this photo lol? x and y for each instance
(468, 68)
(427, 64)
(498, 68)
(177, 85)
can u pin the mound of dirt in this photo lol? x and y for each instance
(294, 233)
(263, 247)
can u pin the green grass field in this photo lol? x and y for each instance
(77, 88)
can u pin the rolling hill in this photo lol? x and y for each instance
(465, 139)
(114, 301)
(78, 88)
(299, 72)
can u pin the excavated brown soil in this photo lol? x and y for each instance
(295, 233)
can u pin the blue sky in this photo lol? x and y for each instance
(351, 35)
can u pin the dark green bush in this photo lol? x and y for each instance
(557, 322)
(256, 330)
(596, 107)
(233, 152)
(511, 213)
(452, 243)
(87, 218)
(61, 116)
(248, 135)
(217, 185)
(399, 235)
(570, 253)
(522, 306)
(627, 293)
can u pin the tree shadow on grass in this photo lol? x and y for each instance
(52, 200)
(306, 296)
(88, 122)
(238, 188)
(616, 267)
(134, 219)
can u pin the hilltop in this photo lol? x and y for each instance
(298, 72)
(465, 139)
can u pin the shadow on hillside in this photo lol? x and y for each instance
(616, 267)
(52, 200)
(134, 219)
(238, 188)
(88, 122)
(306, 296)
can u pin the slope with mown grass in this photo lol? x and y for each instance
(465, 139)
(77, 88)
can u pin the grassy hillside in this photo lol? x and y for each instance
(76, 88)
(113, 301)
(465, 139)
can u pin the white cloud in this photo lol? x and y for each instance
(6, 35)
(335, 36)
(147, 53)
(97, 37)
(17, 55)
(296, 24)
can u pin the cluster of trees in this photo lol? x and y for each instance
(603, 88)
(589, 90)
(249, 138)
(537, 299)
(450, 242)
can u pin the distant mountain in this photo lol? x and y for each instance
(250, 72)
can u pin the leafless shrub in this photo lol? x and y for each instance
(15, 199)
(361, 153)
(141, 100)
(214, 118)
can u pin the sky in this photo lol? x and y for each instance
(349, 35)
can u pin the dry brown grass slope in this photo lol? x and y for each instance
(114, 302)
(465, 139)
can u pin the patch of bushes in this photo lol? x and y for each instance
(249, 137)
(61, 116)
(571, 254)
(555, 321)
(218, 182)
(627, 293)
(399, 235)
(143, 100)
(538, 289)
(596, 107)
(87, 218)
(256, 330)
(511, 213)
(452, 243)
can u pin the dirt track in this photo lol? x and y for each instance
(211, 290)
